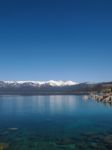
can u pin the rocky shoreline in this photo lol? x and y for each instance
(104, 97)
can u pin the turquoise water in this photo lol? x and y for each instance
(54, 123)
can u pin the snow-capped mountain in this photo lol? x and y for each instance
(50, 87)
(51, 83)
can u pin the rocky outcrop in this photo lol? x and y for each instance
(103, 97)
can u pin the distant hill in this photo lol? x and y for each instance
(51, 87)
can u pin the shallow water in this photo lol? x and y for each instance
(54, 123)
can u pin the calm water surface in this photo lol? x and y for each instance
(54, 123)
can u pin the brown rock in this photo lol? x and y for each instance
(4, 146)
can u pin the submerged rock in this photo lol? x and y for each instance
(13, 129)
(85, 97)
(4, 146)
(108, 139)
(65, 141)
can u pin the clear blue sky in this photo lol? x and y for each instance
(56, 39)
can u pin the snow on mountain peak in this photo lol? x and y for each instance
(39, 83)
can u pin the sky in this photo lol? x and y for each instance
(56, 40)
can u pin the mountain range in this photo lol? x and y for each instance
(51, 87)
(37, 83)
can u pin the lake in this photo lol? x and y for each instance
(55, 122)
